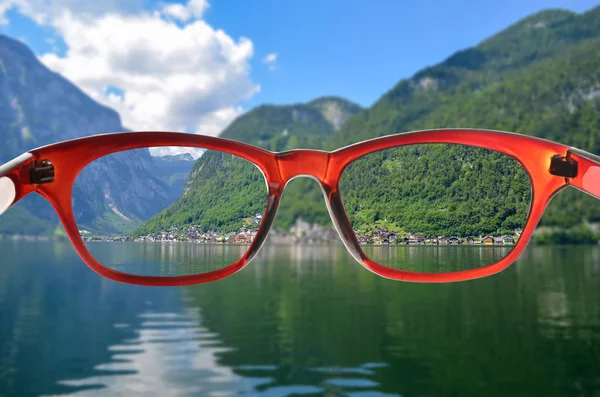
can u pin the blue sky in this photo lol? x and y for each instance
(354, 49)
(357, 50)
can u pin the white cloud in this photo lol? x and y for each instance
(4, 6)
(177, 11)
(44, 11)
(271, 60)
(183, 13)
(183, 77)
(175, 150)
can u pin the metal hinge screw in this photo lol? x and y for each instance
(563, 166)
(41, 172)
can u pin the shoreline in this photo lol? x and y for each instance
(278, 242)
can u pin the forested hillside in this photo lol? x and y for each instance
(540, 77)
(224, 192)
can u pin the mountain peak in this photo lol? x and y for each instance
(41, 106)
(8, 43)
(300, 125)
(176, 157)
(335, 110)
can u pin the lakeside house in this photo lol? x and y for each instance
(508, 239)
(414, 238)
(454, 241)
(488, 240)
(243, 238)
(303, 233)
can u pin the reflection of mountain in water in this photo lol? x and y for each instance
(310, 316)
(74, 332)
(299, 320)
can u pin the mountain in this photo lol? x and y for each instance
(540, 76)
(174, 158)
(225, 192)
(39, 107)
(174, 170)
(469, 88)
(290, 126)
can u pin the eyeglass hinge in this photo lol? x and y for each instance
(41, 172)
(563, 166)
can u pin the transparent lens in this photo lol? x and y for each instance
(436, 207)
(169, 211)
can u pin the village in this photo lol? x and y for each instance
(301, 233)
(384, 237)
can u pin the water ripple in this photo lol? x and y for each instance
(170, 354)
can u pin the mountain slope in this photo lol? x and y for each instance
(522, 46)
(224, 192)
(39, 107)
(540, 76)
(291, 126)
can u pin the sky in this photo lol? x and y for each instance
(195, 65)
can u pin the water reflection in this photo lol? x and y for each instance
(299, 321)
(64, 330)
(166, 259)
(170, 355)
(308, 318)
(436, 258)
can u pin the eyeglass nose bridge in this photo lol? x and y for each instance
(315, 164)
(303, 162)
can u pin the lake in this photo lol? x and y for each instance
(300, 320)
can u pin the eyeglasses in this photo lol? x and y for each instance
(426, 206)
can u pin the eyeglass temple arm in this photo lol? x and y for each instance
(10, 186)
(587, 171)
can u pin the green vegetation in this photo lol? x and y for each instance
(24, 222)
(540, 77)
(281, 128)
(223, 191)
(512, 81)
(109, 223)
(59, 233)
(437, 190)
(580, 234)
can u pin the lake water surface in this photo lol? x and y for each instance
(300, 320)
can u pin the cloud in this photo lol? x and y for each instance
(172, 70)
(271, 58)
(183, 13)
(44, 11)
(3, 8)
(271, 61)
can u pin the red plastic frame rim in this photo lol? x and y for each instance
(534, 154)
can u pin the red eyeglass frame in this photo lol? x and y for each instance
(551, 167)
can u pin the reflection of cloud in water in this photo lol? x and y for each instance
(170, 356)
(173, 355)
